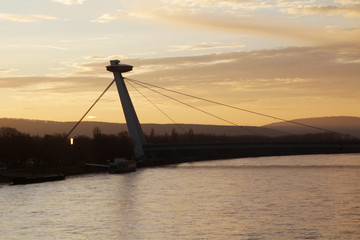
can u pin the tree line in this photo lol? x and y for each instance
(20, 149)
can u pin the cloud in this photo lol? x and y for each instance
(345, 2)
(34, 46)
(25, 18)
(205, 46)
(242, 17)
(328, 72)
(296, 77)
(216, 4)
(297, 71)
(95, 57)
(6, 70)
(300, 78)
(107, 17)
(54, 84)
(349, 11)
(234, 6)
(57, 48)
(223, 22)
(278, 84)
(70, 2)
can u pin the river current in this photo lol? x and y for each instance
(288, 197)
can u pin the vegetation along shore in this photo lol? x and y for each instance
(49, 154)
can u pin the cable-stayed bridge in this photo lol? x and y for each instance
(141, 146)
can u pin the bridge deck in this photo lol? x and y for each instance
(268, 145)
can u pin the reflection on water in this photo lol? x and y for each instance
(291, 197)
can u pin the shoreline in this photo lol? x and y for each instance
(85, 169)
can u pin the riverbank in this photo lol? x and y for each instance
(5, 175)
(176, 155)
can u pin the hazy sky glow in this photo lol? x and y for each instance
(290, 59)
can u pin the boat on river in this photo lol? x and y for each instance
(122, 165)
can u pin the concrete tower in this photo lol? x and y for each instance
(132, 121)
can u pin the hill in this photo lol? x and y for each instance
(346, 125)
(41, 128)
(341, 124)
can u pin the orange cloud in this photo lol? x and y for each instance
(330, 72)
(205, 46)
(278, 29)
(297, 81)
(243, 18)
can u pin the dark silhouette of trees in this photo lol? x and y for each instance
(15, 147)
(108, 147)
(21, 150)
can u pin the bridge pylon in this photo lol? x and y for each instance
(132, 121)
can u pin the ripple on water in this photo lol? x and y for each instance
(295, 197)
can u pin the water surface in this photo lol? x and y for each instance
(290, 197)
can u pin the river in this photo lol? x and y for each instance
(288, 197)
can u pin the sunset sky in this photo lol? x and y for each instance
(289, 59)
